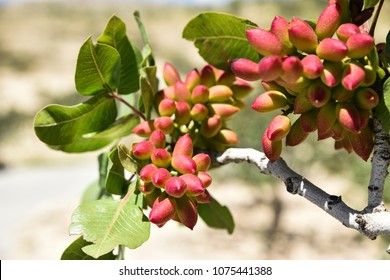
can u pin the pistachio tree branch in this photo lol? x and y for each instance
(370, 224)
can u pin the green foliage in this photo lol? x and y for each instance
(148, 88)
(59, 126)
(220, 38)
(116, 182)
(115, 36)
(98, 68)
(109, 223)
(370, 3)
(216, 216)
(75, 252)
(383, 111)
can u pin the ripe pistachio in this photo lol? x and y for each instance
(160, 177)
(143, 150)
(163, 209)
(187, 212)
(193, 183)
(170, 74)
(270, 68)
(332, 49)
(302, 36)
(329, 21)
(183, 164)
(272, 149)
(245, 69)
(312, 66)
(157, 138)
(269, 101)
(278, 128)
(175, 187)
(202, 161)
(167, 107)
(161, 158)
(147, 172)
(219, 94)
(200, 94)
(264, 42)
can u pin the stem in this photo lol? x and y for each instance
(136, 112)
(375, 20)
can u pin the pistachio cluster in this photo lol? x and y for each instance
(173, 182)
(200, 105)
(320, 71)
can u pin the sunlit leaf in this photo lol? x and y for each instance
(109, 223)
(220, 37)
(98, 68)
(369, 4)
(74, 252)
(115, 36)
(126, 159)
(61, 125)
(216, 216)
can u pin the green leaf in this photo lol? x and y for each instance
(108, 223)
(61, 125)
(148, 88)
(216, 216)
(369, 4)
(115, 36)
(220, 38)
(74, 252)
(98, 140)
(126, 159)
(92, 192)
(103, 169)
(116, 182)
(383, 109)
(98, 68)
(147, 52)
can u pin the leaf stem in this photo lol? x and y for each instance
(115, 95)
(375, 20)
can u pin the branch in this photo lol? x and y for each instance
(370, 224)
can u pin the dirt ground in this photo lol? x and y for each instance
(39, 188)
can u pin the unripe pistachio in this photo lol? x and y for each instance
(332, 49)
(296, 135)
(331, 76)
(328, 21)
(268, 86)
(359, 45)
(146, 187)
(353, 76)
(278, 128)
(200, 94)
(204, 197)
(326, 118)
(187, 212)
(341, 94)
(269, 101)
(272, 149)
(370, 76)
(167, 107)
(312, 66)
(183, 164)
(264, 42)
(364, 118)
(241, 89)
(318, 94)
(362, 143)
(219, 94)
(270, 68)
(181, 92)
(143, 150)
(161, 177)
(366, 98)
(193, 183)
(163, 209)
(207, 76)
(167, 92)
(183, 146)
(224, 110)
(346, 30)
(183, 113)
(203, 162)
(161, 158)
(147, 172)
(164, 123)
(292, 69)
(349, 117)
(302, 36)
(205, 178)
(338, 131)
(143, 129)
(199, 112)
(175, 187)
(227, 137)
(170, 74)
(279, 27)
(157, 138)
(192, 79)
(211, 126)
(302, 103)
(309, 120)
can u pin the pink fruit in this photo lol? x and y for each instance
(183, 146)
(194, 184)
(332, 49)
(203, 162)
(143, 150)
(175, 187)
(329, 21)
(163, 209)
(245, 69)
(302, 36)
(272, 149)
(278, 128)
(160, 177)
(161, 158)
(183, 164)
(264, 42)
(170, 74)
(269, 101)
(270, 68)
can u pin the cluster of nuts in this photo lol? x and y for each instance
(200, 106)
(326, 79)
(173, 182)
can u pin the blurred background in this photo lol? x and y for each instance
(39, 187)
